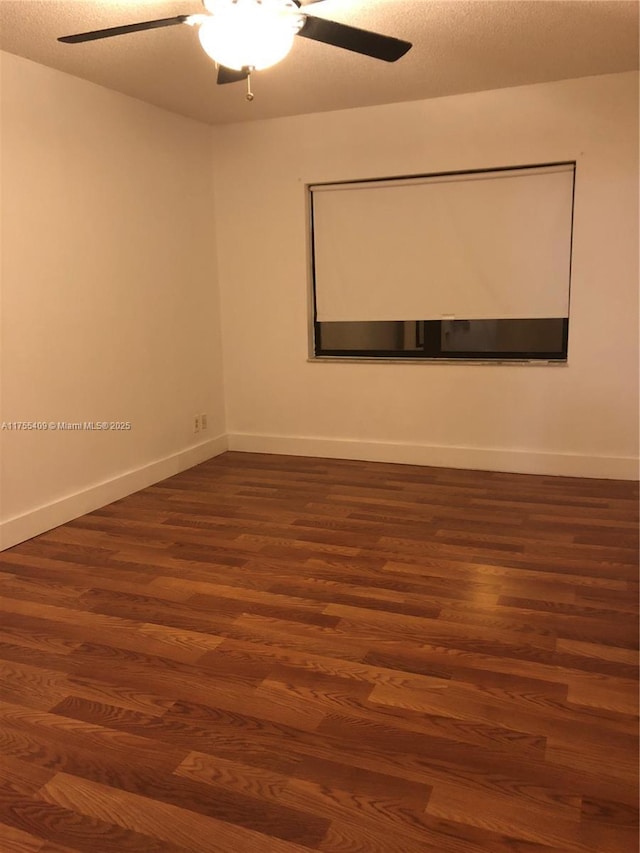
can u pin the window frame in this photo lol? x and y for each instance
(432, 351)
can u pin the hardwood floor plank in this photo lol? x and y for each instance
(219, 801)
(22, 777)
(14, 840)
(135, 813)
(73, 830)
(601, 652)
(241, 778)
(341, 700)
(51, 740)
(143, 637)
(501, 815)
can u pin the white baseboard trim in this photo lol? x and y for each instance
(19, 528)
(476, 458)
(30, 524)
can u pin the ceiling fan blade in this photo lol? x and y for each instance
(127, 28)
(352, 38)
(230, 75)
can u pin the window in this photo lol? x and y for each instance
(467, 265)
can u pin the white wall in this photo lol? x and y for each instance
(109, 295)
(580, 419)
(110, 303)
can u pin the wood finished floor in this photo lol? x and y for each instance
(274, 655)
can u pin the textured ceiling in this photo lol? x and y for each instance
(459, 46)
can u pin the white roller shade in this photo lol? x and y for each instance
(488, 245)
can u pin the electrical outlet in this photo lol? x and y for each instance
(196, 423)
(203, 420)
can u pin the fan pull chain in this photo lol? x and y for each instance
(249, 95)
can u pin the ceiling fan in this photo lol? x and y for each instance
(243, 36)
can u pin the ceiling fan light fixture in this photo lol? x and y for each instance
(249, 33)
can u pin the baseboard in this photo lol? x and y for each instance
(30, 524)
(39, 520)
(476, 458)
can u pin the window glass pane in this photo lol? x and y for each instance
(388, 336)
(499, 336)
(517, 339)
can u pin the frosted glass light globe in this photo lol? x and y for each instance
(247, 33)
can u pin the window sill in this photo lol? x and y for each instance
(448, 361)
